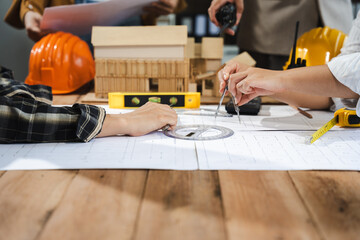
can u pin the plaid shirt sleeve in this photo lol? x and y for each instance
(26, 115)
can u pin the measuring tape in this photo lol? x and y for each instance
(343, 117)
(135, 100)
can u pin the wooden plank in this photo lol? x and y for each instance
(333, 198)
(139, 36)
(212, 48)
(181, 205)
(264, 205)
(28, 199)
(244, 58)
(65, 99)
(99, 204)
(190, 48)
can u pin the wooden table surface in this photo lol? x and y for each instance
(151, 204)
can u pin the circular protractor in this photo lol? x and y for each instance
(199, 132)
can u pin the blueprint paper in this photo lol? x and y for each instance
(276, 118)
(80, 18)
(276, 139)
(279, 150)
(153, 151)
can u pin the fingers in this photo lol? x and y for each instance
(222, 86)
(217, 4)
(234, 80)
(162, 7)
(224, 74)
(239, 10)
(32, 22)
(170, 3)
(246, 98)
(245, 87)
(214, 7)
(230, 31)
(150, 117)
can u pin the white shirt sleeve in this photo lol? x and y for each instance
(346, 66)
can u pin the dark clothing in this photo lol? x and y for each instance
(26, 115)
(269, 61)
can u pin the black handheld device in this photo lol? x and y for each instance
(226, 16)
(250, 108)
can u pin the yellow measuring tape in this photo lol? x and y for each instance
(343, 117)
(136, 99)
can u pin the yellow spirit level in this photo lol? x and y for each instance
(343, 117)
(135, 100)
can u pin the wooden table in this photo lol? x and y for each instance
(151, 204)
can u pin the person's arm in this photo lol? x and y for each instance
(162, 7)
(306, 87)
(148, 118)
(27, 116)
(25, 120)
(217, 4)
(32, 21)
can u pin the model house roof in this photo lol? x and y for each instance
(139, 36)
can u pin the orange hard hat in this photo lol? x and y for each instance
(318, 46)
(62, 61)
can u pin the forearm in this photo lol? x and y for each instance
(316, 80)
(39, 122)
(114, 124)
(304, 100)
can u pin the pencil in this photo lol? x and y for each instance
(304, 113)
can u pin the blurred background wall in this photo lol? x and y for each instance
(15, 46)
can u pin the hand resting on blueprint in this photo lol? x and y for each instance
(309, 87)
(148, 118)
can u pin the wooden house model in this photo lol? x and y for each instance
(140, 59)
(205, 61)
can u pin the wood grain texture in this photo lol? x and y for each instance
(181, 205)
(65, 99)
(264, 205)
(28, 199)
(99, 204)
(333, 198)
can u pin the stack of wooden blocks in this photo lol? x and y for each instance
(205, 60)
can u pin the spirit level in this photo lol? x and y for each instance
(135, 100)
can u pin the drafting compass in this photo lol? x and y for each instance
(236, 107)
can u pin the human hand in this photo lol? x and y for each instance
(161, 7)
(147, 118)
(253, 82)
(217, 4)
(230, 68)
(32, 22)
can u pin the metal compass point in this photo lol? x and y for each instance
(199, 132)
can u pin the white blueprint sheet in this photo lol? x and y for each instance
(274, 150)
(153, 151)
(79, 19)
(258, 144)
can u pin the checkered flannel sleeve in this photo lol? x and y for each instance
(26, 115)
